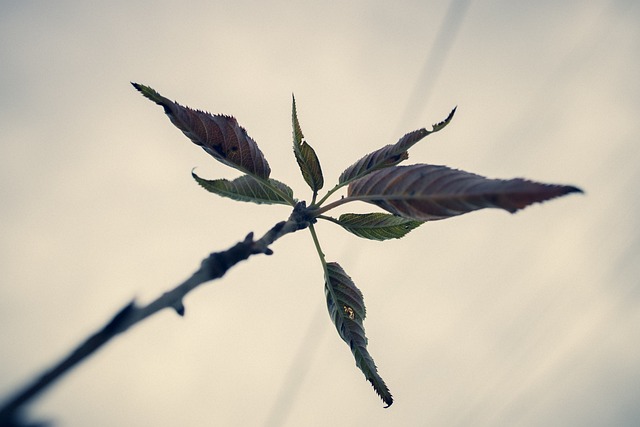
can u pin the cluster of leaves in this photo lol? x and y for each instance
(411, 195)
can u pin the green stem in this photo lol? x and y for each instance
(329, 193)
(323, 261)
(316, 242)
(328, 218)
(332, 205)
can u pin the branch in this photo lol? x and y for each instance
(213, 267)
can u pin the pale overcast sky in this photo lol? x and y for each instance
(488, 319)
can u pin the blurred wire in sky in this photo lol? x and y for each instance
(308, 347)
(419, 96)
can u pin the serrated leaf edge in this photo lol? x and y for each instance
(380, 226)
(281, 192)
(306, 156)
(390, 155)
(353, 312)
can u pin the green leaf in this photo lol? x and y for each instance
(377, 226)
(248, 189)
(306, 156)
(427, 192)
(389, 155)
(347, 311)
(220, 136)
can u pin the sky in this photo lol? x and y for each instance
(488, 319)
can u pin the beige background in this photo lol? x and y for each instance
(486, 320)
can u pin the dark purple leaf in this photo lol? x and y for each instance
(427, 192)
(389, 155)
(219, 135)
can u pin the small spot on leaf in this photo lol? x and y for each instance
(349, 312)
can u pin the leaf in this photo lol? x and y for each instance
(248, 189)
(377, 226)
(219, 135)
(305, 155)
(389, 155)
(428, 192)
(347, 311)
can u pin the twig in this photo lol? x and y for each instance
(213, 267)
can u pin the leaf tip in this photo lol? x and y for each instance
(562, 190)
(383, 392)
(201, 182)
(572, 189)
(140, 87)
(151, 94)
(446, 121)
(536, 193)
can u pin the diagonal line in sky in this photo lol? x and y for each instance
(308, 348)
(436, 57)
